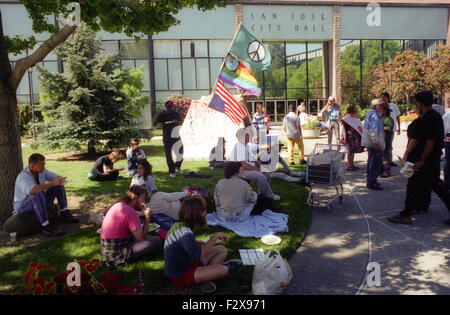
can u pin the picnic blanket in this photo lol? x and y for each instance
(257, 226)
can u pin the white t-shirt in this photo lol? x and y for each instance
(303, 118)
(149, 184)
(291, 121)
(245, 153)
(439, 109)
(394, 114)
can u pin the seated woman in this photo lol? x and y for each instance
(234, 196)
(122, 237)
(134, 155)
(144, 177)
(104, 170)
(188, 262)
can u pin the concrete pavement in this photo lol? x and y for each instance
(333, 258)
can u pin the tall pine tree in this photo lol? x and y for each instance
(88, 104)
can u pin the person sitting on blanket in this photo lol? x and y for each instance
(144, 177)
(122, 237)
(234, 197)
(167, 203)
(244, 152)
(188, 262)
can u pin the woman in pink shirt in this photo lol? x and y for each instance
(122, 237)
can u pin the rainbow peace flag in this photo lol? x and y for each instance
(237, 74)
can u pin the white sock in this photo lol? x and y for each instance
(45, 223)
(65, 209)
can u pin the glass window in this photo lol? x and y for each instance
(274, 78)
(219, 48)
(175, 74)
(202, 74)
(161, 75)
(195, 48)
(163, 95)
(132, 49)
(315, 70)
(110, 47)
(166, 48)
(144, 64)
(189, 74)
(215, 68)
(296, 70)
(127, 64)
(197, 94)
(391, 48)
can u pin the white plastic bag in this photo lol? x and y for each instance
(271, 275)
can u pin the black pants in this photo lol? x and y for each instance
(102, 177)
(168, 144)
(420, 187)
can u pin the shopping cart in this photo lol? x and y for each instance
(324, 174)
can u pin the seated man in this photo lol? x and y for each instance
(134, 155)
(242, 152)
(35, 190)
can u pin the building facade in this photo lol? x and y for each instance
(319, 48)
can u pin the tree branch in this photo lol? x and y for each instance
(23, 64)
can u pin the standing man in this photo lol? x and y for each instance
(293, 131)
(428, 139)
(373, 140)
(395, 114)
(333, 115)
(170, 120)
(35, 190)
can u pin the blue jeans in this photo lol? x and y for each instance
(374, 166)
(39, 203)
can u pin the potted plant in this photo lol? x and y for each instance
(311, 129)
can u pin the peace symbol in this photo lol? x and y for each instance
(256, 51)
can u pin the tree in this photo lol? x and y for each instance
(93, 100)
(410, 71)
(134, 18)
(439, 76)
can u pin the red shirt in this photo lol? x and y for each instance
(120, 220)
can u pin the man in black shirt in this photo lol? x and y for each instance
(428, 141)
(103, 169)
(170, 120)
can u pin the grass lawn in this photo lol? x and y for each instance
(14, 261)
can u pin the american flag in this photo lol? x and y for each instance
(223, 101)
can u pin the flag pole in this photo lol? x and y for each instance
(228, 51)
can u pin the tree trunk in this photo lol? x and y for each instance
(11, 150)
(91, 147)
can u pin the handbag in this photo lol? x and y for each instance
(271, 275)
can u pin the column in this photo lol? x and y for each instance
(446, 101)
(337, 87)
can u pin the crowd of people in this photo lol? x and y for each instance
(125, 227)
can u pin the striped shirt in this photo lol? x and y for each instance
(258, 121)
(180, 250)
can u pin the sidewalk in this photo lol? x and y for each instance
(413, 259)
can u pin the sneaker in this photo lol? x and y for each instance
(275, 197)
(50, 231)
(232, 263)
(179, 171)
(400, 219)
(67, 217)
(206, 287)
(303, 162)
(172, 175)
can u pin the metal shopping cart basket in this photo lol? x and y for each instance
(324, 174)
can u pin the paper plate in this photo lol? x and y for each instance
(271, 240)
